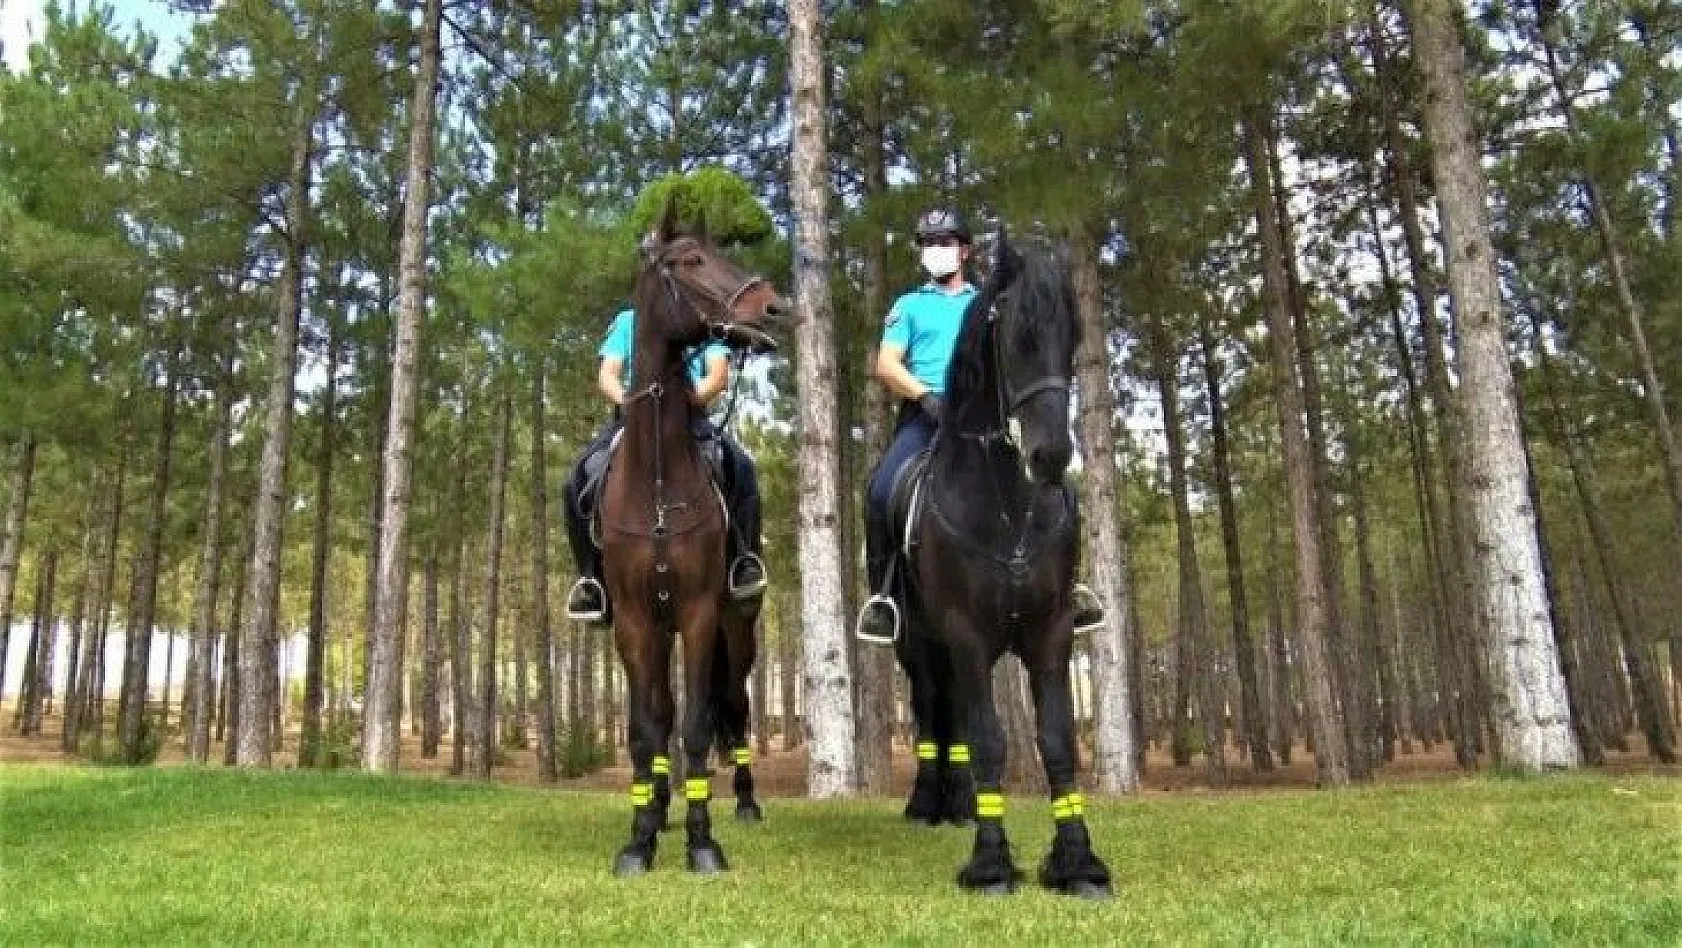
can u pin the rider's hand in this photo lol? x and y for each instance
(932, 406)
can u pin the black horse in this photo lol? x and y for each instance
(991, 568)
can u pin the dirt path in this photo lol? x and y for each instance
(783, 773)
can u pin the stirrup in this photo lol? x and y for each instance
(752, 590)
(595, 615)
(859, 631)
(1097, 605)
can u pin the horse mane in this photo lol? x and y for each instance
(1040, 292)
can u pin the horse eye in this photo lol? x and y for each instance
(694, 260)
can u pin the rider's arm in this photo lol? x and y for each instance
(610, 379)
(892, 373)
(711, 385)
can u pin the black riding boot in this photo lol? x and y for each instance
(587, 600)
(879, 618)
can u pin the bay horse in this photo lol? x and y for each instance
(662, 540)
(991, 568)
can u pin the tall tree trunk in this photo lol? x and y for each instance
(383, 704)
(1254, 719)
(1194, 617)
(89, 711)
(131, 725)
(832, 768)
(431, 656)
(1341, 639)
(17, 516)
(74, 692)
(38, 667)
(1325, 720)
(1529, 704)
(1374, 659)
(1457, 632)
(206, 593)
(789, 660)
(258, 696)
(485, 752)
(876, 666)
(461, 665)
(229, 724)
(1284, 715)
(547, 771)
(1114, 761)
(315, 661)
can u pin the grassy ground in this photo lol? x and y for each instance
(172, 856)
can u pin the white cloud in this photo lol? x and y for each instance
(19, 21)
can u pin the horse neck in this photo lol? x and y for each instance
(972, 403)
(650, 420)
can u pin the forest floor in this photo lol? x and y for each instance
(783, 772)
(180, 855)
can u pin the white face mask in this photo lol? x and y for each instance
(941, 262)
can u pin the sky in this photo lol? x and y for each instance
(20, 24)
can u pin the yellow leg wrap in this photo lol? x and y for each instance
(662, 766)
(990, 806)
(1069, 806)
(641, 794)
(743, 756)
(958, 754)
(697, 789)
(928, 750)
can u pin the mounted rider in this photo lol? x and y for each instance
(709, 376)
(918, 338)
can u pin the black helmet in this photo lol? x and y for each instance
(941, 221)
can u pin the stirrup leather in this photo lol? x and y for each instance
(751, 590)
(596, 615)
(858, 624)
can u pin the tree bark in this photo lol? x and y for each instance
(201, 700)
(1532, 720)
(1194, 617)
(43, 640)
(431, 655)
(1254, 718)
(832, 768)
(383, 704)
(74, 686)
(461, 666)
(485, 753)
(131, 725)
(258, 695)
(310, 732)
(229, 724)
(547, 771)
(1114, 760)
(17, 517)
(1325, 720)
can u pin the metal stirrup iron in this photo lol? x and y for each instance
(752, 589)
(859, 631)
(601, 596)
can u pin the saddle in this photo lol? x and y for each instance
(598, 462)
(905, 498)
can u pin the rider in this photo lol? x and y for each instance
(921, 331)
(709, 375)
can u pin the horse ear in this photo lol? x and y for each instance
(1003, 262)
(668, 220)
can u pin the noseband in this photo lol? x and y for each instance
(721, 327)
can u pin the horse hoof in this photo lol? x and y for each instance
(749, 813)
(995, 890)
(707, 860)
(632, 862)
(1089, 891)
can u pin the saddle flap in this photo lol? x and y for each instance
(904, 498)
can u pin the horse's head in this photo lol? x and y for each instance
(1036, 335)
(714, 297)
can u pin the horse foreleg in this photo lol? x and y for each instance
(1071, 866)
(699, 626)
(924, 806)
(649, 727)
(990, 869)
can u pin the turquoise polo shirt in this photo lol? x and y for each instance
(925, 323)
(623, 333)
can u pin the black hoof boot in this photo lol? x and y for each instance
(707, 859)
(925, 803)
(1072, 868)
(747, 811)
(957, 795)
(990, 870)
(634, 860)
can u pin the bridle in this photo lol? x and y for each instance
(1012, 399)
(721, 329)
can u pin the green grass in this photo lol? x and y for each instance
(175, 855)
